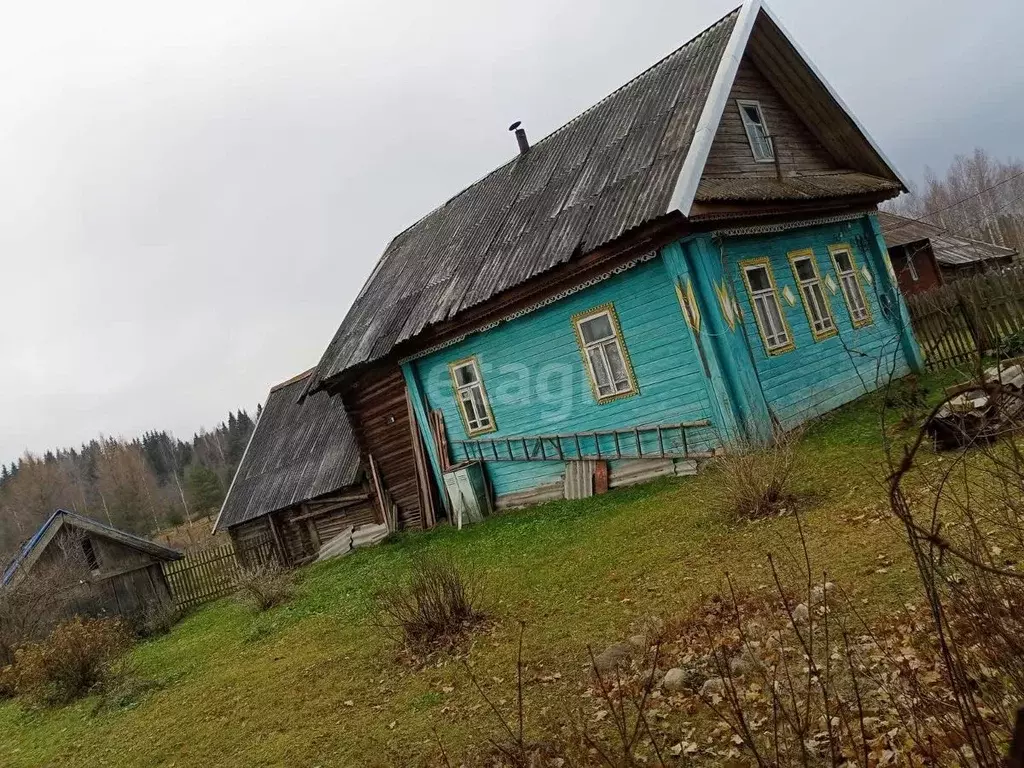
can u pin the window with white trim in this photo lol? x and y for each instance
(607, 364)
(846, 268)
(767, 310)
(471, 397)
(805, 269)
(757, 131)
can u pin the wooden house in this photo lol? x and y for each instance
(925, 256)
(693, 261)
(301, 482)
(100, 569)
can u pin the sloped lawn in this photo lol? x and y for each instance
(315, 683)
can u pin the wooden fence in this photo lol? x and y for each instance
(202, 576)
(981, 314)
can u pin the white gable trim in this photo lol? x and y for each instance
(714, 108)
(718, 98)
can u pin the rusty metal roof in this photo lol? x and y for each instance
(298, 451)
(606, 172)
(950, 250)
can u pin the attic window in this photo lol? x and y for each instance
(757, 131)
(90, 555)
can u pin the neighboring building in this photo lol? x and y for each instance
(301, 482)
(103, 570)
(689, 263)
(925, 255)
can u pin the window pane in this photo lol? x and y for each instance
(804, 269)
(819, 308)
(596, 328)
(758, 277)
(752, 114)
(465, 374)
(601, 375)
(843, 260)
(618, 367)
(469, 408)
(481, 409)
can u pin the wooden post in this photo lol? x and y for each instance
(275, 533)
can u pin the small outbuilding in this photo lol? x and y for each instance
(301, 483)
(98, 568)
(925, 256)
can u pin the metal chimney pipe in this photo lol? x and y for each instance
(524, 144)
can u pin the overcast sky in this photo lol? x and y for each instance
(192, 193)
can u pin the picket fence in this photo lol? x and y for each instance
(202, 576)
(983, 314)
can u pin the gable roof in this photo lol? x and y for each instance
(635, 157)
(28, 554)
(299, 450)
(950, 250)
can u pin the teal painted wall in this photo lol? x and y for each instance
(819, 376)
(536, 381)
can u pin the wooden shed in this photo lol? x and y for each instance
(301, 483)
(101, 569)
(925, 256)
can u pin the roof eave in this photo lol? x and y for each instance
(707, 126)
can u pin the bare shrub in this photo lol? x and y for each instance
(435, 609)
(157, 619)
(264, 586)
(757, 478)
(32, 606)
(79, 657)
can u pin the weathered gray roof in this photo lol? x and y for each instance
(950, 250)
(298, 451)
(27, 555)
(804, 187)
(629, 161)
(606, 172)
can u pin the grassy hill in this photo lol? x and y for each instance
(316, 683)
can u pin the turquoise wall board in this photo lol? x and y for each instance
(537, 384)
(819, 375)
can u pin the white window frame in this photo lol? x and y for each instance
(849, 283)
(762, 147)
(911, 266)
(475, 423)
(812, 293)
(776, 339)
(615, 389)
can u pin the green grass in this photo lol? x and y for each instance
(315, 683)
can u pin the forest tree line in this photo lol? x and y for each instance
(143, 485)
(979, 197)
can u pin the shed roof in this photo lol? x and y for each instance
(630, 160)
(300, 449)
(34, 546)
(950, 250)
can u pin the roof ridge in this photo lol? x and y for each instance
(707, 30)
(298, 377)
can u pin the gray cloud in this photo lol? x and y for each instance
(193, 193)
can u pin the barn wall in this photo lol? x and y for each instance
(304, 529)
(928, 273)
(379, 414)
